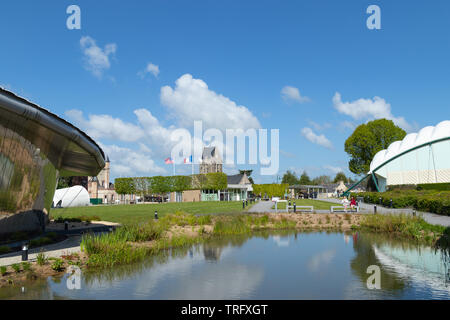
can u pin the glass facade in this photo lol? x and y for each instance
(35, 148)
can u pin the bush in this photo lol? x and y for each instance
(16, 267)
(41, 259)
(422, 200)
(57, 265)
(5, 249)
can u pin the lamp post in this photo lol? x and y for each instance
(25, 251)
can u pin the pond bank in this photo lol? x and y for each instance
(132, 243)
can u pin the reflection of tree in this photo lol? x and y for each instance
(365, 257)
(212, 253)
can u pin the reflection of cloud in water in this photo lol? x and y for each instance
(226, 280)
(320, 259)
(279, 242)
(422, 272)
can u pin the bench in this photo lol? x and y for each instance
(334, 209)
(302, 208)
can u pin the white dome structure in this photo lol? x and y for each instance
(76, 196)
(422, 157)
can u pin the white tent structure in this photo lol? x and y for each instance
(76, 196)
(420, 158)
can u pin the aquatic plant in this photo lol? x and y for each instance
(41, 259)
(16, 267)
(3, 270)
(26, 266)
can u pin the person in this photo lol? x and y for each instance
(352, 203)
(345, 203)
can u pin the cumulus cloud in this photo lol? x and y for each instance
(104, 126)
(289, 94)
(150, 68)
(333, 169)
(321, 140)
(96, 58)
(368, 109)
(191, 100)
(128, 162)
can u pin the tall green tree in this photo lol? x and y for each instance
(324, 179)
(340, 176)
(304, 179)
(367, 140)
(290, 178)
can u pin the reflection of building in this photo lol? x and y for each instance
(211, 160)
(100, 189)
(36, 147)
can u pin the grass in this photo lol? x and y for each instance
(16, 267)
(41, 259)
(128, 214)
(3, 270)
(405, 225)
(317, 204)
(61, 219)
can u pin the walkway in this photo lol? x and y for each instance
(365, 208)
(66, 247)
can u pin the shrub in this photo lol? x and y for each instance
(4, 249)
(26, 266)
(57, 265)
(41, 259)
(16, 267)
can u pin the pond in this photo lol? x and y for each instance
(286, 265)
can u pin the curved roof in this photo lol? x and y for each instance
(425, 136)
(69, 149)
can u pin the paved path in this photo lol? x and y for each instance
(365, 208)
(68, 246)
(431, 218)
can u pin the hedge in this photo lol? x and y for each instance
(424, 200)
(272, 190)
(163, 184)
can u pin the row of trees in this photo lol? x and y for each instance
(161, 184)
(291, 178)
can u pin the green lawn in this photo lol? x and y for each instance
(317, 204)
(142, 212)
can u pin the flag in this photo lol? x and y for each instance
(188, 160)
(168, 161)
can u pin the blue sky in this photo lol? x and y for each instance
(246, 51)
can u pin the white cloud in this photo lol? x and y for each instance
(333, 169)
(369, 109)
(191, 100)
(318, 126)
(127, 162)
(293, 94)
(321, 140)
(150, 68)
(96, 58)
(104, 126)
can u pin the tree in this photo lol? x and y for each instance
(321, 180)
(367, 140)
(304, 179)
(290, 178)
(340, 176)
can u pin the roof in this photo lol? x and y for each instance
(425, 136)
(235, 179)
(68, 148)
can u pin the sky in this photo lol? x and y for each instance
(138, 70)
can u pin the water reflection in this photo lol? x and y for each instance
(287, 265)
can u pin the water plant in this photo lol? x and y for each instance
(41, 258)
(16, 267)
(57, 265)
(3, 270)
(26, 266)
